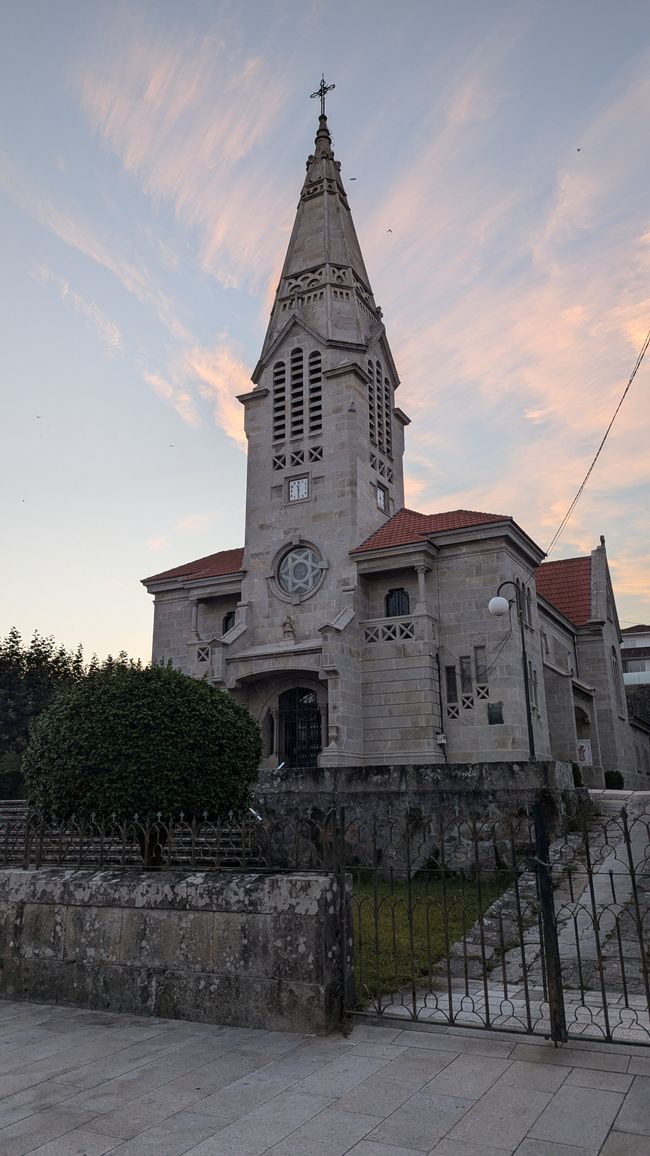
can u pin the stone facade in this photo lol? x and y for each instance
(357, 632)
(260, 951)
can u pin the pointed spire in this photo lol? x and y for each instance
(324, 284)
(323, 141)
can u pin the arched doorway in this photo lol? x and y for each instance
(299, 727)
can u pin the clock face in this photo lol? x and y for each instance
(298, 489)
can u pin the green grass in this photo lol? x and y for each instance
(402, 929)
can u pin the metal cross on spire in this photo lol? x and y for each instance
(322, 91)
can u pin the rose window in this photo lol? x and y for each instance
(299, 570)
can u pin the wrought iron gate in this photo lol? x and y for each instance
(299, 727)
(499, 926)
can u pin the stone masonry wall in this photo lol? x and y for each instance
(482, 790)
(257, 951)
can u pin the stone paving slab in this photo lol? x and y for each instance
(88, 1083)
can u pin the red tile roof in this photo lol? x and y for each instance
(212, 566)
(567, 584)
(407, 526)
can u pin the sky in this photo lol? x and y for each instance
(151, 157)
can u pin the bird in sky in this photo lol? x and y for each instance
(389, 230)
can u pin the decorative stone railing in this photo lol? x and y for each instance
(389, 630)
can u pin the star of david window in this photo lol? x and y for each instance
(299, 570)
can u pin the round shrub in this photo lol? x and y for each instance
(140, 741)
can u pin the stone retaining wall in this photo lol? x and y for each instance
(259, 951)
(447, 791)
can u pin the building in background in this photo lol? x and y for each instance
(357, 631)
(635, 655)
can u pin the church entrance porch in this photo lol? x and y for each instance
(299, 727)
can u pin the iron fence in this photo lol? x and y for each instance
(453, 921)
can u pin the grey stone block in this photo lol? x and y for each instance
(580, 1116)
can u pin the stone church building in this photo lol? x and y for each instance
(357, 631)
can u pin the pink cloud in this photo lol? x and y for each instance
(187, 119)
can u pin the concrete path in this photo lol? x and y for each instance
(82, 1083)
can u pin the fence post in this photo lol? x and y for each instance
(339, 866)
(550, 946)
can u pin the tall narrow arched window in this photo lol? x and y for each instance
(315, 383)
(529, 606)
(297, 386)
(397, 602)
(381, 427)
(228, 622)
(279, 401)
(388, 418)
(618, 683)
(372, 408)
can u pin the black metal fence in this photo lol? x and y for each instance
(453, 921)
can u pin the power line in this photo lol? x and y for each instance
(575, 501)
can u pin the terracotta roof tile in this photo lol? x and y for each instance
(408, 526)
(212, 566)
(567, 584)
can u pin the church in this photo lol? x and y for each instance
(360, 633)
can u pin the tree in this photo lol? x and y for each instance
(129, 740)
(29, 677)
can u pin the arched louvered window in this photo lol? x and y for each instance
(315, 379)
(279, 401)
(381, 425)
(388, 418)
(380, 408)
(297, 394)
(397, 603)
(372, 408)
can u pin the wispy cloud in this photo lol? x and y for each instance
(176, 393)
(524, 312)
(213, 374)
(76, 231)
(221, 375)
(193, 521)
(93, 317)
(157, 545)
(187, 119)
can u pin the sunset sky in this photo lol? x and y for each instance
(151, 157)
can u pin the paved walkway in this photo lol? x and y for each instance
(82, 1083)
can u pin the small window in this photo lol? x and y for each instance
(452, 684)
(228, 622)
(382, 498)
(480, 665)
(465, 664)
(529, 606)
(495, 713)
(618, 682)
(533, 687)
(397, 602)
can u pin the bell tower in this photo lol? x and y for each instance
(325, 441)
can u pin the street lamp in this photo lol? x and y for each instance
(500, 606)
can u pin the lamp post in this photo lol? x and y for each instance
(499, 606)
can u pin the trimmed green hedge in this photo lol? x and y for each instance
(130, 741)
